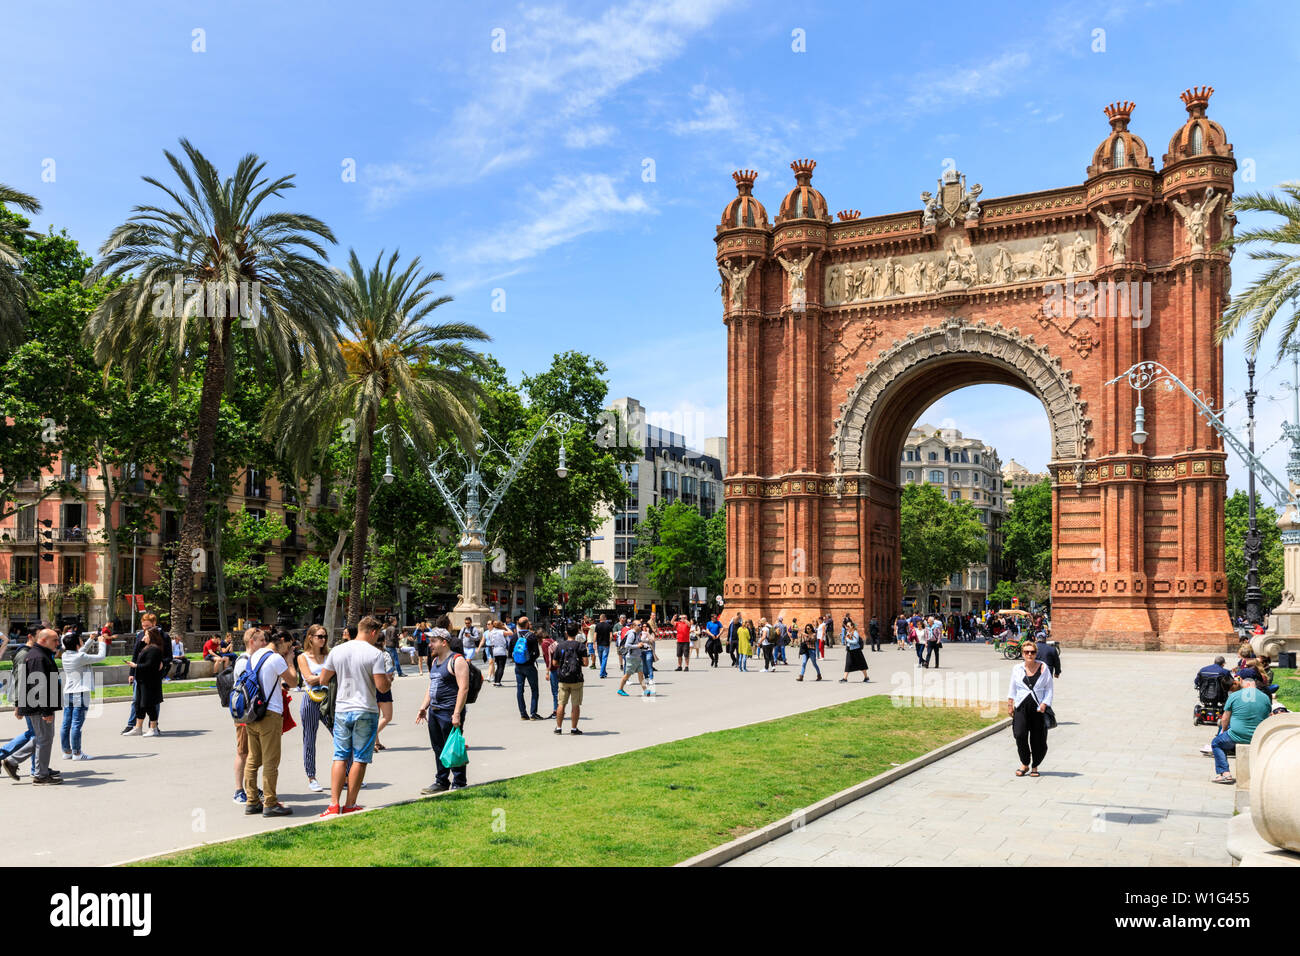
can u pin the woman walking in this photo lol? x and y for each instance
(384, 698)
(767, 644)
(148, 682)
(1027, 703)
(744, 644)
(497, 645)
(713, 647)
(854, 659)
(421, 636)
(310, 662)
(77, 684)
(808, 648)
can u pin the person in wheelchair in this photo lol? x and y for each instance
(1213, 683)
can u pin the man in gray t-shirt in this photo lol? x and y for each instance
(360, 670)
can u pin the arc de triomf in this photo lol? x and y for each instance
(841, 333)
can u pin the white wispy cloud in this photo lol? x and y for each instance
(570, 207)
(556, 68)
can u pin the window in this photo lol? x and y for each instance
(947, 454)
(964, 456)
(955, 495)
(620, 572)
(1118, 154)
(1198, 140)
(255, 483)
(73, 571)
(977, 458)
(623, 548)
(625, 523)
(956, 477)
(936, 477)
(24, 569)
(975, 495)
(956, 580)
(934, 456)
(911, 476)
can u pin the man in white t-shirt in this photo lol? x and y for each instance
(361, 672)
(270, 662)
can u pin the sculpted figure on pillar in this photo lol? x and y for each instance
(736, 279)
(1197, 217)
(1117, 227)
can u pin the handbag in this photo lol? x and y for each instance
(1049, 715)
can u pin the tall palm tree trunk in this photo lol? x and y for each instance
(205, 439)
(361, 521)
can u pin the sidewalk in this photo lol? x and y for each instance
(1124, 784)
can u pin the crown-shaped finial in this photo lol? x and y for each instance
(803, 170)
(1196, 99)
(1118, 113)
(744, 181)
(847, 214)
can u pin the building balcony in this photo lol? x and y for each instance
(28, 486)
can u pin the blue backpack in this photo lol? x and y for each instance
(521, 648)
(247, 698)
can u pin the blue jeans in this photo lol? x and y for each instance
(744, 662)
(555, 688)
(1221, 746)
(780, 653)
(810, 657)
(134, 715)
(920, 652)
(354, 736)
(602, 651)
(15, 745)
(525, 672)
(648, 661)
(396, 659)
(74, 716)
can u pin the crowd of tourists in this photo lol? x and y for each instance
(1248, 692)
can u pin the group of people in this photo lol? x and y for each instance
(1250, 688)
(745, 641)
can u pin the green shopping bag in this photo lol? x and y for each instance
(454, 753)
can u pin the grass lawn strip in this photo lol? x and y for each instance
(106, 662)
(650, 807)
(1288, 687)
(175, 687)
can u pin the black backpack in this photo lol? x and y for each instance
(570, 669)
(475, 682)
(226, 684)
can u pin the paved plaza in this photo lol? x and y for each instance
(1124, 782)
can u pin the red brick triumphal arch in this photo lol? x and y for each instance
(840, 333)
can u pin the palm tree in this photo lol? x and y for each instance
(214, 236)
(395, 367)
(1280, 283)
(14, 288)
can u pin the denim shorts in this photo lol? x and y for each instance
(354, 736)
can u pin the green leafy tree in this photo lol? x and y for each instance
(215, 235)
(1236, 523)
(245, 542)
(673, 549)
(544, 519)
(939, 538)
(1027, 533)
(588, 585)
(303, 588)
(716, 533)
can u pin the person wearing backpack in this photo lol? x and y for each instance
(525, 652)
(257, 686)
(568, 659)
(445, 707)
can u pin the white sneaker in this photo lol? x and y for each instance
(134, 732)
(68, 755)
(1207, 751)
(314, 787)
(150, 733)
(82, 756)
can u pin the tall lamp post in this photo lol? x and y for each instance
(481, 501)
(1254, 595)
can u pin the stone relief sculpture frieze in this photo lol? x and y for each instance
(959, 266)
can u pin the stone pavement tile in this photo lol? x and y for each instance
(753, 858)
(1016, 858)
(860, 857)
(918, 861)
(785, 861)
(976, 856)
(796, 847)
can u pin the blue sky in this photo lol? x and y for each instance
(524, 169)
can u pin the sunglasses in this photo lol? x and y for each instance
(1030, 653)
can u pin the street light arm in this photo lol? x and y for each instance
(1143, 375)
(435, 476)
(560, 422)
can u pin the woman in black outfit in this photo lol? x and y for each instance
(148, 679)
(713, 647)
(1027, 702)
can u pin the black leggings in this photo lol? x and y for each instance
(1030, 729)
(767, 656)
(713, 656)
(731, 650)
(500, 671)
